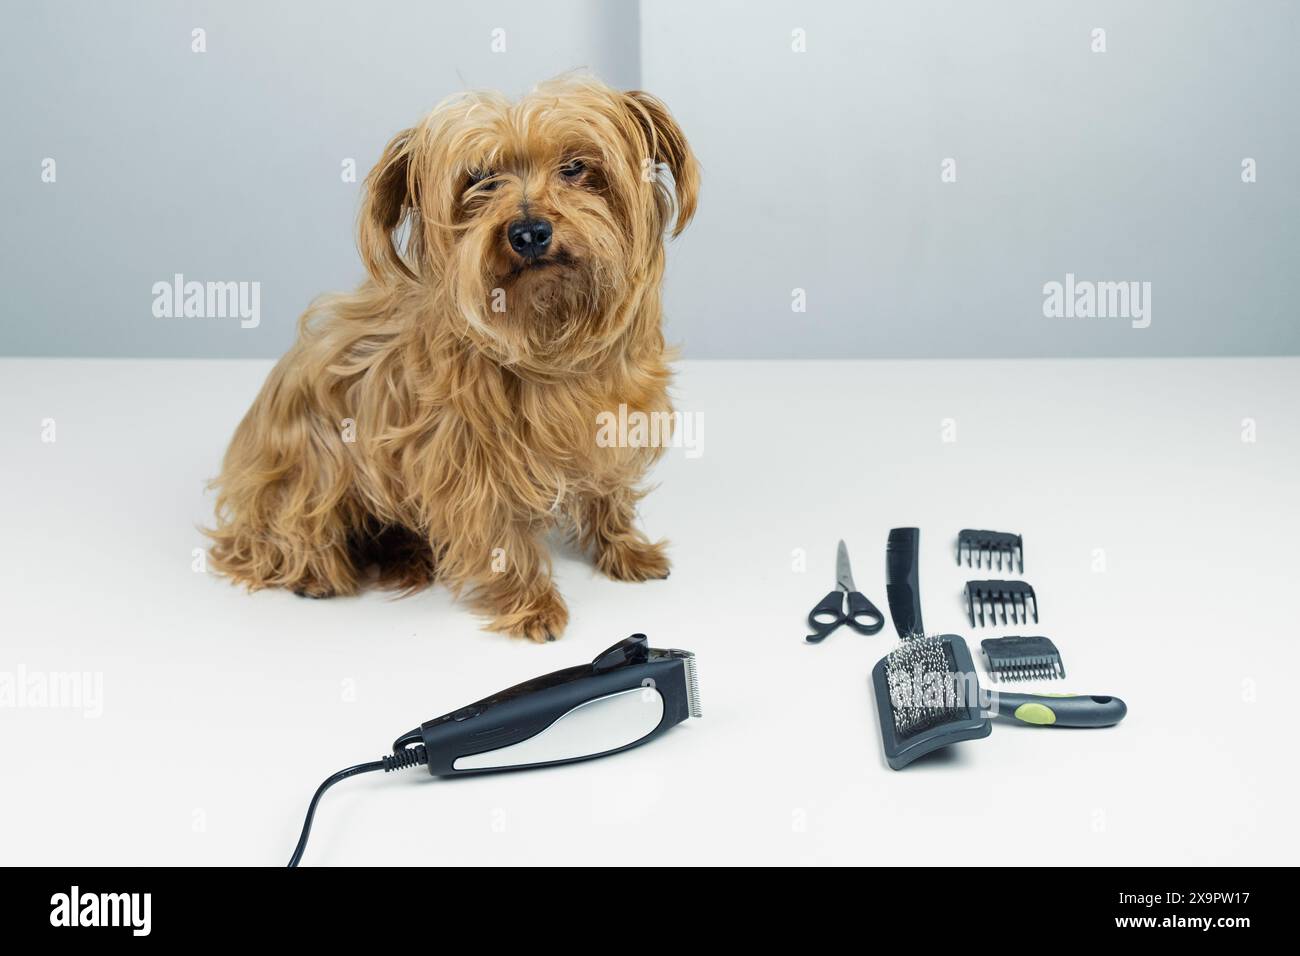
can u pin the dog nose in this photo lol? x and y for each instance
(529, 237)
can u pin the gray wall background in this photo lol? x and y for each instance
(226, 165)
(821, 168)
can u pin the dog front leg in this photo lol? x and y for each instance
(607, 525)
(511, 582)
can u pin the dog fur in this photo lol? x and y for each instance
(441, 419)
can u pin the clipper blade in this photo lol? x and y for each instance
(692, 687)
(1014, 599)
(983, 547)
(1022, 658)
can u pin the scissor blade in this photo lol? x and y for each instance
(843, 570)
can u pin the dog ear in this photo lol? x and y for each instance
(668, 146)
(389, 202)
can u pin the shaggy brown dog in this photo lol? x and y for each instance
(441, 418)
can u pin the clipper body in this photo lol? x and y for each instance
(627, 695)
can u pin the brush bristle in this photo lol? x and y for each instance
(924, 686)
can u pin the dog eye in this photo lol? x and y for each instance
(485, 179)
(573, 169)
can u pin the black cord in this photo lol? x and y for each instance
(408, 738)
(400, 759)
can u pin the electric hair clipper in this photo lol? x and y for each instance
(628, 694)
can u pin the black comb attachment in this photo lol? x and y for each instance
(1022, 658)
(1014, 600)
(982, 548)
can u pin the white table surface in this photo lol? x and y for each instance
(221, 711)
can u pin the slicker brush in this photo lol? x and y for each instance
(928, 696)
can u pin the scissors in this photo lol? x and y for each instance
(863, 616)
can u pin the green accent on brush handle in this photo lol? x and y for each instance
(1041, 710)
(1035, 713)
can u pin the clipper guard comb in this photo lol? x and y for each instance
(1022, 658)
(985, 599)
(983, 547)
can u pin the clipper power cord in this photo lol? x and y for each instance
(628, 694)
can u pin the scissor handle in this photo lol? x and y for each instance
(859, 608)
(826, 616)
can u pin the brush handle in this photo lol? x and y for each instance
(1065, 710)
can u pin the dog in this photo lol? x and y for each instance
(437, 423)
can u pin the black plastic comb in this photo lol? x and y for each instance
(984, 599)
(982, 547)
(902, 582)
(1022, 658)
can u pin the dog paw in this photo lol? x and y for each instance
(634, 561)
(541, 621)
(315, 592)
